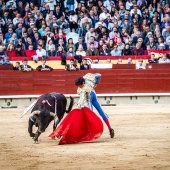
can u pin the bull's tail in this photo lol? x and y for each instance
(71, 104)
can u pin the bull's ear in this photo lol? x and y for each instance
(36, 112)
(52, 114)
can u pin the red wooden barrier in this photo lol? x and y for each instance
(113, 81)
(6, 67)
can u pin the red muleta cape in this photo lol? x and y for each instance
(80, 125)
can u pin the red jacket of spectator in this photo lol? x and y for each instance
(30, 53)
(11, 54)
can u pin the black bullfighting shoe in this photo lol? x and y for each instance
(112, 133)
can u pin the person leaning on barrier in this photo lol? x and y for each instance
(44, 67)
(72, 66)
(17, 66)
(84, 65)
(25, 66)
(164, 60)
(5, 61)
(152, 59)
(140, 65)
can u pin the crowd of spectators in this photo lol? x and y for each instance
(39, 28)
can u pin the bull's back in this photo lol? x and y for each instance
(60, 99)
(58, 96)
(61, 102)
(39, 104)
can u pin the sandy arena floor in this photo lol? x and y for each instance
(142, 142)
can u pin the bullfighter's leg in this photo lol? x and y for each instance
(96, 104)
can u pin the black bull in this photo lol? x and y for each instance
(44, 112)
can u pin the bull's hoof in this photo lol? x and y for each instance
(32, 135)
(35, 140)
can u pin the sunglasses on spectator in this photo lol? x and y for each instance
(9, 30)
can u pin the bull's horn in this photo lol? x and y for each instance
(52, 114)
(36, 112)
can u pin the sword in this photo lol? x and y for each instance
(28, 108)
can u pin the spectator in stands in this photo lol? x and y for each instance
(119, 61)
(168, 45)
(73, 21)
(96, 61)
(70, 44)
(30, 42)
(152, 43)
(164, 60)
(147, 51)
(24, 38)
(40, 53)
(120, 44)
(44, 67)
(60, 51)
(10, 51)
(2, 39)
(138, 50)
(127, 50)
(92, 51)
(152, 59)
(61, 44)
(17, 66)
(140, 65)
(5, 61)
(84, 65)
(51, 4)
(25, 66)
(58, 13)
(81, 43)
(90, 33)
(109, 61)
(70, 52)
(72, 66)
(30, 52)
(147, 37)
(18, 30)
(50, 44)
(80, 51)
(131, 44)
(92, 40)
(2, 52)
(110, 45)
(42, 30)
(19, 52)
(129, 61)
(115, 51)
(153, 25)
(52, 52)
(104, 51)
(166, 33)
(8, 36)
(161, 46)
(23, 47)
(101, 42)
